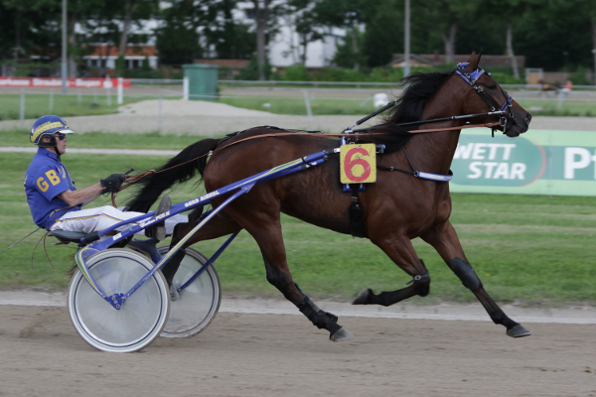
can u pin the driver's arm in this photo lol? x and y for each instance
(82, 196)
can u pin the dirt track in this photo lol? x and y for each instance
(283, 355)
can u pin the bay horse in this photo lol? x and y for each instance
(396, 209)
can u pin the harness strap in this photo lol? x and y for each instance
(356, 213)
(419, 174)
(409, 161)
(385, 168)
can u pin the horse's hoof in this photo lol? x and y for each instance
(518, 331)
(363, 296)
(341, 334)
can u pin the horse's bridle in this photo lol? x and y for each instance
(472, 79)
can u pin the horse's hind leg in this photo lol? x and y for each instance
(444, 239)
(216, 227)
(399, 248)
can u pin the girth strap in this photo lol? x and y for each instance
(356, 213)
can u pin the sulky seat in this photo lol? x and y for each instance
(74, 237)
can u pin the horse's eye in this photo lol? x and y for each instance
(492, 87)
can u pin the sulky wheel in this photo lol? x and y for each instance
(142, 316)
(197, 304)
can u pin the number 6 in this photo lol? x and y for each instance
(349, 164)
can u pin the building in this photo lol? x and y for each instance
(104, 56)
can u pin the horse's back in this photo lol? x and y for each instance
(314, 195)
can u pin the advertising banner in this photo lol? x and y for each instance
(537, 162)
(57, 82)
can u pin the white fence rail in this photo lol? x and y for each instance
(32, 102)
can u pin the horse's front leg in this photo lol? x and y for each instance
(399, 248)
(444, 239)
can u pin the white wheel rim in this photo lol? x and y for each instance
(143, 314)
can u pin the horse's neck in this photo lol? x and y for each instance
(434, 151)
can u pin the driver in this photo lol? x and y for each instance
(54, 201)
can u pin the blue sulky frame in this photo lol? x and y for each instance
(145, 220)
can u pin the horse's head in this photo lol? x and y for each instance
(487, 95)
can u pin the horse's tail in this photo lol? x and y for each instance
(179, 169)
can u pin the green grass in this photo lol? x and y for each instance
(538, 250)
(296, 106)
(37, 105)
(351, 106)
(97, 140)
(551, 107)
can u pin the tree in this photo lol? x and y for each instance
(551, 29)
(384, 33)
(133, 10)
(100, 19)
(229, 38)
(593, 26)
(26, 24)
(178, 37)
(347, 14)
(589, 10)
(443, 16)
(512, 12)
(235, 41)
(261, 12)
(300, 17)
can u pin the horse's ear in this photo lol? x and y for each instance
(474, 60)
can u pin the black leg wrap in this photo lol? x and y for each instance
(421, 282)
(466, 273)
(170, 268)
(317, 316)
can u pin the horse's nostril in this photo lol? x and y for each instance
(528, 118)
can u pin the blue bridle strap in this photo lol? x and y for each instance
(507, 102)
(472, 77)
(469, 77)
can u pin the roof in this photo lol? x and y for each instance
(103, 50)
(228, 63)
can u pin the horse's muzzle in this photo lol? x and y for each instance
(518, 124)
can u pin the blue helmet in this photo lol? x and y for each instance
(48, 126)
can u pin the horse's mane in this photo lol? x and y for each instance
(411, 104)
(409, 108)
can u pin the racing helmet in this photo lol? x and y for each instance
(48, 126)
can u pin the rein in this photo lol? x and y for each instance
(132, 179)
